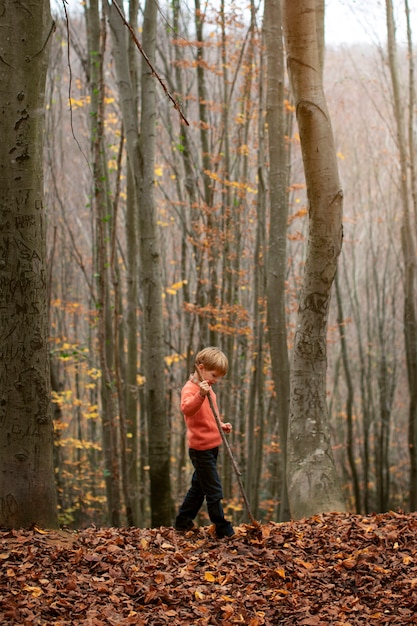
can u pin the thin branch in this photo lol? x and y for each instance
(70, 84)
(154, 72)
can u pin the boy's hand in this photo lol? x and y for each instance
(204, 388)
(227, 428)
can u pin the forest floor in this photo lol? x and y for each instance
(337, 569)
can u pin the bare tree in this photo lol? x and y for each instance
(279, 174)
(312, 480)
(153, 346)
(140, 141)
(27, 488)
(97, 40)
(408, 234)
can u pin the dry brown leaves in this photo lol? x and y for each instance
(330, 569)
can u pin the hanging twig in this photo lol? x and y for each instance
(64, 2)
(145, 56)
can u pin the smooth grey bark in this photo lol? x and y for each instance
(313, 485)
(27, 486)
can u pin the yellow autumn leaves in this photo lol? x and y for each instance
(174, 288)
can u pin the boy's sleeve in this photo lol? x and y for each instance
(191, 401)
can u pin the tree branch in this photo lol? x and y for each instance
(154, 72)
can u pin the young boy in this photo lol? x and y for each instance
(204, 440)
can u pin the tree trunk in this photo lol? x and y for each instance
(312, 481)
(96, 48)
(256, 406)
(27, 487)
(127, 86)
(137, 488)
(153, 350)
(408, 231)
(279, 169)
(141, 151)
(350, 444)
(131, 384)
(208, 335)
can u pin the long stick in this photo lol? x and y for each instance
(230, 453)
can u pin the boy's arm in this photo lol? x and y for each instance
(191, 401)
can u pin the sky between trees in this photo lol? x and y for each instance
(347, 21)
(353, 21)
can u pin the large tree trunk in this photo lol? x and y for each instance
(312, 482)
(27, 488)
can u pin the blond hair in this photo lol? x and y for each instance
(213, 359)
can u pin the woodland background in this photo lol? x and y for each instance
(214, 255)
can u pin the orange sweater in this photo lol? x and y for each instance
(202, 430)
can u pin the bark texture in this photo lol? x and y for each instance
(27, 487)
(279, 167)
(153, 348)
(312, 481)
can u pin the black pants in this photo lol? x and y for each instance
(205, 483)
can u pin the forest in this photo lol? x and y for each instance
(166, 231)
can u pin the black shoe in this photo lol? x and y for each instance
(186, 528)
(226, 535)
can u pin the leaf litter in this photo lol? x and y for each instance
(338, 569)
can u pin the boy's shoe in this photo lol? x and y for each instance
(227, 535)
(186, 528)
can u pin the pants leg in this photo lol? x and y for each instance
(189, 509)
(205, 484)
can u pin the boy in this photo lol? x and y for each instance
(204, 440)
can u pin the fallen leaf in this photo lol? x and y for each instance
(34, 591)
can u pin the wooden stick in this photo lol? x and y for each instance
(230, 453)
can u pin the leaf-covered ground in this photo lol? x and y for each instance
(330, 569)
